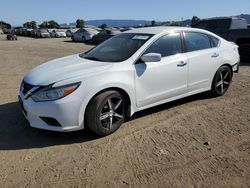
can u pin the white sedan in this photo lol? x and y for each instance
(84, 34)
(132, 71)
(58, 33)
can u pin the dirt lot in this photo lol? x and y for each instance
(195, 142)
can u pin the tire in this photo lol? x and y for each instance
(221, 81)
(106, 112)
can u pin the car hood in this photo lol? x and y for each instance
(64, 68)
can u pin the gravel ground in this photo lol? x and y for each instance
(194, 142)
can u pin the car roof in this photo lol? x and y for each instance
(161, 29)
(223, 18)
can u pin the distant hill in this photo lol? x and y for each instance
(115, 23)
(118, 23)
(125, 23)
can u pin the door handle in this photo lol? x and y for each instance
(182, 64)
(215, 55)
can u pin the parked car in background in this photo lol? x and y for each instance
(130, 72)
(11, 35)
(104, 35)
(50, 30)
(34, 32)
(84, 34)
(69, 32)
(1, 31)
(42, 33)
(29, 32)
(230, 28)
(6, 31)
(126, 29)
(57, 33)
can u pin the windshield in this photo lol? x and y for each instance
(118, 48)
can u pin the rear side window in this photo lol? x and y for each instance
(214, 41)
(196, 41)
(166, 45)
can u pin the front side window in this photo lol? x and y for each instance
(166, 45)
(196, 41)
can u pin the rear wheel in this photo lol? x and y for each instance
(106, 112)
(221, 81)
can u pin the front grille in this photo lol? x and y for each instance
(26, 87)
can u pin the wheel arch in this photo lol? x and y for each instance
(224, 64)
(85, 103)
(120, 90)
(229, 66)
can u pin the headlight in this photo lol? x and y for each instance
(50, 93)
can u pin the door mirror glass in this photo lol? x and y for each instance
(151, 57)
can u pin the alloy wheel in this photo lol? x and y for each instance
(112, 112)
(223, 81)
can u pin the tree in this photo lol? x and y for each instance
(79, 23)
(43, 25)
(53, 24)
(49, 24)
(194, 20)
(103, 26)
(153, 23)
(4, 25)
(30, 25)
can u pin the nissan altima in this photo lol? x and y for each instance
(129, 72)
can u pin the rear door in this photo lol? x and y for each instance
(204, 58)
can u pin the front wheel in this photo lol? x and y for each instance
(106, 112)
(221, 81)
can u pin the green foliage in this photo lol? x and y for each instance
(30, 25)
(4, 25)
(79, 23)
(49, 24)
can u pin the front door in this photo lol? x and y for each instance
(157, 81)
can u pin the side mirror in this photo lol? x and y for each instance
(151, 57)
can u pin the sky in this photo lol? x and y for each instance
(17, 12)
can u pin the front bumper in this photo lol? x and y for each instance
(65, 111)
